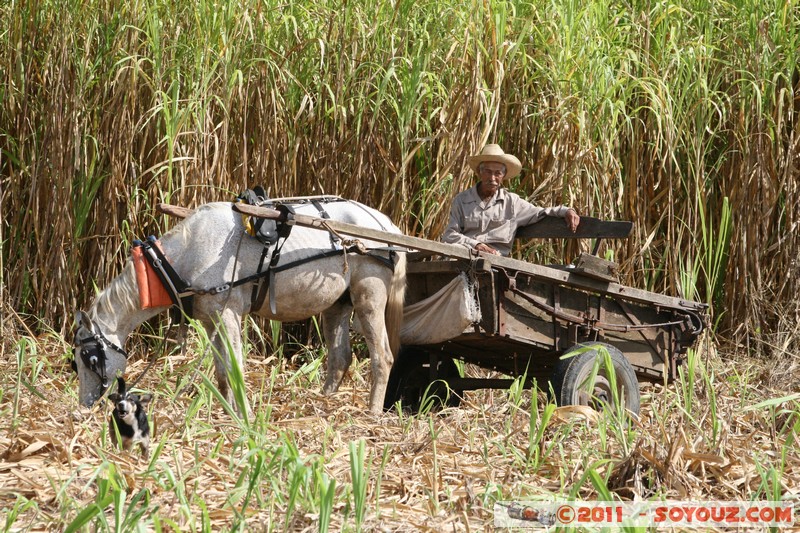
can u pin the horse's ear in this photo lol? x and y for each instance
(82, 319)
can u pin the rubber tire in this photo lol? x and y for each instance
(572, 371)
(410, 378)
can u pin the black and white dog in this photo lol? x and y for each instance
(129, 418)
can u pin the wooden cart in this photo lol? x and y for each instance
(551, 324)
(563, 327)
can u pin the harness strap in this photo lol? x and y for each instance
(324, 215)
(255, 294)
(178, 289)
(284, 230)
(163, 266)
(275, 268)
(269, 274)
(95, 358)
(388, 262)
(298, 262)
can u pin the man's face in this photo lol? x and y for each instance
(492, 175)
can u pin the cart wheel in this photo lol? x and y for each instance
(410, 380)
(571, 375)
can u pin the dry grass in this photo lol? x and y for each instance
(429, 472)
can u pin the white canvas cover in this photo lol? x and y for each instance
(443, 315)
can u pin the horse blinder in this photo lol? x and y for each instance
(93, 354)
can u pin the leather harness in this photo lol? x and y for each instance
(93, 348)
(93, 355)
(181, 292)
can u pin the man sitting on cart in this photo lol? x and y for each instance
(486, 217)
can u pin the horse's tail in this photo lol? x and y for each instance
(395, 303)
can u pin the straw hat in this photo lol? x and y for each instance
(493, 152)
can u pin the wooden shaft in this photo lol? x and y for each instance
(457, 251)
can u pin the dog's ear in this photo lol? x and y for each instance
(145, 400)
(121, 386)
(114, 398)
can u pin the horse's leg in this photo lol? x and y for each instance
(369, 295)
(336, 329)
(226, 340)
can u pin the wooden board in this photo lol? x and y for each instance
(174, 210)
(564, 277)
(589, 228)
(460, 252)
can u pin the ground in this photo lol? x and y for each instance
(302, 461)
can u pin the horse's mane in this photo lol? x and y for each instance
(120, 298)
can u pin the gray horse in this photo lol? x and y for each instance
(211, 248)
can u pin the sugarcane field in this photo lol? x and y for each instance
(399, 266)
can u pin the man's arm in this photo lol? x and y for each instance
(527, 213)
(453, 234)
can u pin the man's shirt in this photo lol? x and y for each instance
(493, 221)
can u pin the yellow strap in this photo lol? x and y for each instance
(247, 221)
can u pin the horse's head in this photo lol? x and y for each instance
(97, 360)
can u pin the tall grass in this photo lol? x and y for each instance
(653, 112)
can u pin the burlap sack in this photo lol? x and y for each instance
(442, 316)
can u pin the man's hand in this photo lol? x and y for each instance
(485, 248)
(572, 219)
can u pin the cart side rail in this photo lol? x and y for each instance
(484, 261)
(552, 227)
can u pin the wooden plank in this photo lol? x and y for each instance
(564, 277)
(460, 252)
(174, 210)
(596, 267)
(589, 228)
(395, 239)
